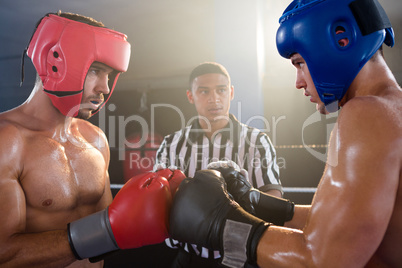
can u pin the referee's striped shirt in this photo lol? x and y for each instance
(190, 150)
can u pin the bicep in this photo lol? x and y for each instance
(107, 197)
(12, 206)
(355, 198)
(12, 197)
(105, 151)
(299, 217)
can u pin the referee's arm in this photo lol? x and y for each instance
(161, 156)
(270, 173)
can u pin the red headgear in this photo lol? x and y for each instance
(62, 50)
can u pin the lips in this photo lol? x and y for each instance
(215, 109)
(308, 95)
(96, 102)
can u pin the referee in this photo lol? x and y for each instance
(212, 136)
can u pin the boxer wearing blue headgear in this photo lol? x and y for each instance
(355, 219)
(314, 29)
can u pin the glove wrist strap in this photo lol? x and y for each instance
(253, 243)
(235, 237)
(91, 236)
(274, 209)
(241, 234)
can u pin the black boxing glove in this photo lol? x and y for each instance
(264, 206)
(203, 214)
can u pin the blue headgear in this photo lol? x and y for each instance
(309, 27)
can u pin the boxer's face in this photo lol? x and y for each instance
(304, 81)
(211, 94)
(95, 87)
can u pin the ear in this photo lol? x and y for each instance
(231, 92)
(190, 96)
(344, 41)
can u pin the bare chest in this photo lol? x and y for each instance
(61, 175)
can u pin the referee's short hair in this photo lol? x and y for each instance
(208, 68)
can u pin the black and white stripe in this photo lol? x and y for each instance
(190, 150)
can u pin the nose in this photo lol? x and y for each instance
(102, 85)
(214, 97)
(300, 82)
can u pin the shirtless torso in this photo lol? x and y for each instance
(355, 219)
(49, 177)
(53, 163)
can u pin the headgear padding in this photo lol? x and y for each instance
(62, 50)
(313, 28)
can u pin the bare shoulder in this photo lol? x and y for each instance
(381, 115)
(10, 129)
(359, 182)
(11, 144)
(92, 134)
(371, 127)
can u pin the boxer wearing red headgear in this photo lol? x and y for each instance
(54, 167)
(63, 67)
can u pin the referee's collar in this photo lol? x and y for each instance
(197, 133)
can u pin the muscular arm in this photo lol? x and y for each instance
(299, 217)
(354, 201)
(39, 246)
(17, 248)
(104, 148)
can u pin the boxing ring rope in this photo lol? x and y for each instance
(308, 190)
(301, 146)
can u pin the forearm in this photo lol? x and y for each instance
(299, 217)
(283, 247)
(48, 249)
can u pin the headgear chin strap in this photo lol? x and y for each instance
(62, 50)
(314, 28)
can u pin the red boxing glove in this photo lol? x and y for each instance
(138, 216)
(175, 177)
